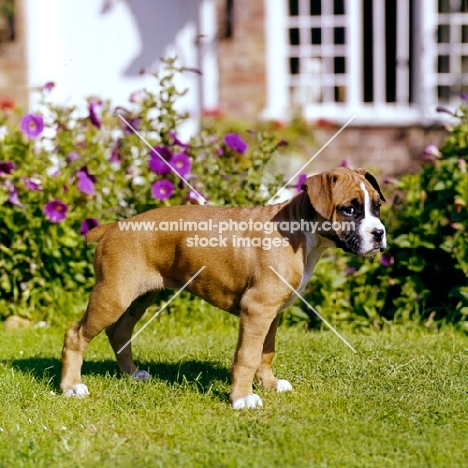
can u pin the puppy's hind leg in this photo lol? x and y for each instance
(120, 334)
(104, 308)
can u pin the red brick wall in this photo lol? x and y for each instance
(13, 63)
(242, 69)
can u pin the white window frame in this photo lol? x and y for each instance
(423, 108)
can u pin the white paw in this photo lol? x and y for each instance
(141, 375)
(283, 386)
(251, 401)
(78, 391)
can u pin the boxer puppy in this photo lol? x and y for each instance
(236, 268)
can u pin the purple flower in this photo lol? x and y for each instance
(94, 106)
(85, 181)
(350, 270)
(156, 164)
(87, 224)
(387, 259)
(464, 96)
(177, 141)
(181, 164)
(33, 183)
(49, 86)
(235, 142)
(73, 156)
(300, 181)
(55, 211)
(13, 197)
(346, 163)
(7, 167)
(134, 122)
(431, 153)
(162, 189)
(32, 125)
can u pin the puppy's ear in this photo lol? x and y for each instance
(319, 188)
(372, 180)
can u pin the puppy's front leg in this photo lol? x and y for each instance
(254, 327)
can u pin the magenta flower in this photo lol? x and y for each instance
(235, 142)
(346, 163)
(32, 125)
(300, 181)
(85, 181)
(55, 211)
(94, 112)
(87, 224)
(431, 153)
(181, 164)
(7, 167)
(114, 158)
(156, 164)
(33, 183)
(49, 86)
(387, 259)
(162, 189)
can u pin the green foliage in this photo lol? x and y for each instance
(423, 274)
(46, 267)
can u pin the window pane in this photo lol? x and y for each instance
(316, 35)
(294, 36)
(444, 6)
(443, 64)
(339, 35)
(339, 63)
(465, 34)
(338, 7)
(443, 92)
(443, 34)
(293, 7)
(340, 93)
(316, 7)
(294, 65)
(464, 64)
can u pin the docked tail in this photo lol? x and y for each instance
(95, 234)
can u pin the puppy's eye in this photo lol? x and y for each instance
(349, 210)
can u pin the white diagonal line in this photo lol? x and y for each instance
(312, 309)
(311, 159)
(161, 309)
(162, 159)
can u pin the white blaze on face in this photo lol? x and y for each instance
(368, 224)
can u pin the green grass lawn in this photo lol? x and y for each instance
(401, 401)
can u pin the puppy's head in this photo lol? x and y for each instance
(348, 205)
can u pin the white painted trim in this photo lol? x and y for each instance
(354, 37)
(378, 55)
(402, 51)
(209, 55)
(277, 65)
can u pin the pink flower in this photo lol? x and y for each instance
(162, 189)
(32, 125)
(55, 211)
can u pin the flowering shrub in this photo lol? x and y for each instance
(423, 274)
(62, 173)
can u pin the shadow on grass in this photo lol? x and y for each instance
(203, 374)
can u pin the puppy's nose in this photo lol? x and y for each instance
(378, 234)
